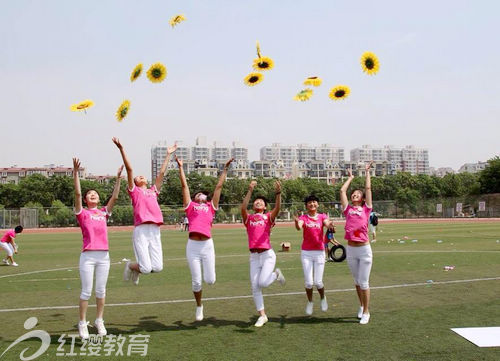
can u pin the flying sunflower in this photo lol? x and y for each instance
(370, 63)
(157, 72)
(123, 110)
(174, 20)
(263, 63)
(313, 80)
(303, 95)
(136, 72)
(253, 78)
(339, 92)
(82, 106)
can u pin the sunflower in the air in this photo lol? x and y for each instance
(313, 80)
(263, 63)
(339, 92)
(157, 72)
(136, 72)
(370, 63)
(123, 110)
(303, 95)
(82, 106)
(253, 78)
(177, 19)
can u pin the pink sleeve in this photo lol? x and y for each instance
(155, 189)
(189, 207)
(269, 219)
(346, 209)
(132, 192)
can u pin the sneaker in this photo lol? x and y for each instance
(14, 264)
(83, 330)
(360, 312)
(199, 313)
(364, 319)
(135, 277)
(324, 304)
(5, 261)
(280, 278)
(309, 308)
(261, 321)
(99, 324)
(127, 272)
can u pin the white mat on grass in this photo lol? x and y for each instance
(480, 336)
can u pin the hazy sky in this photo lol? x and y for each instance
(438, 86)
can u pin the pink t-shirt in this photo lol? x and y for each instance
(145, 205)
(9, 236)
(93, 223)
(313, 232)
(259, 229)
(200, 217)
(356, 223)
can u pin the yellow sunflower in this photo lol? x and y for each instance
(370, 63)
(303, 95)
(157, 72)
(253, 78)
(177, 19)
(123, 110)
(339, 92)
(263, 63)
(313, 80)
(136, 72)
(82, 106)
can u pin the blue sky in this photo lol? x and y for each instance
(438, 86)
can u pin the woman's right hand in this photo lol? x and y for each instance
(76, 164)
(117, 142)
(179, 161)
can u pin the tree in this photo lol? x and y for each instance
(489, 178)
(35, 188)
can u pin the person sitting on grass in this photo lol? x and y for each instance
(9, 245)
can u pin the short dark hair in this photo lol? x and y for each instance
(18, 229)
(266, 202)
(311, 198)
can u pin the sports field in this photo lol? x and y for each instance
(415, 301)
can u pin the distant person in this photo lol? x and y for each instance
(262, 256)
(359, 251)
(9, 245)
(147, 219)
(200, 252)
(328, 239)
(94, 258)
(372, 225)
(186, 224)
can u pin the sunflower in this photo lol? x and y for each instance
(303, 95)
(339, 92)
(253, 78)
(136, 72)
(123, 110)
(370, 63)
(177, 19)
(313, 80)
(263, 63)
(157, 72)
(82, 106)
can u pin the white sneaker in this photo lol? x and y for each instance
(101, 330)
(127, 272)
(14, 264)
(5, 261)
(280, 278)
(309, 308)
(360, 312)
(364, 319)
(135, 277)
(199, 313)
(83, 330)
(261, 321)
(324, 304)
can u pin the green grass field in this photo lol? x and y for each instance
(408, 323)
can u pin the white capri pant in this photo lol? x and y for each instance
(262, 274)
(198, 254)
(8, 248)
(360, 261)
(147, 247)
(91, 261)
(313, 264)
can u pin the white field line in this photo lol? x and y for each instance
(47, 270)
(247, 296)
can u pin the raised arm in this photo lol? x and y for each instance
(185, 189)
(126, 162)
(277, 203)
(220, 183)
(343, 190)
(246, 200)
(159, 178)
(368, 186)
(116, 190)
(76, 180)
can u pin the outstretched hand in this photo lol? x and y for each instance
(172, 149)
(349, 171)
(179, 161)
(277, 186)
(117, 142)
(368, 165)
(252, 185)
(76, 164)
(228, 163)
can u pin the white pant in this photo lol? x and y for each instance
(200, 253)
(147, 247)
(8, 248)
(90, 261)
(360, 261)
(313, 264)
(262, 274)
